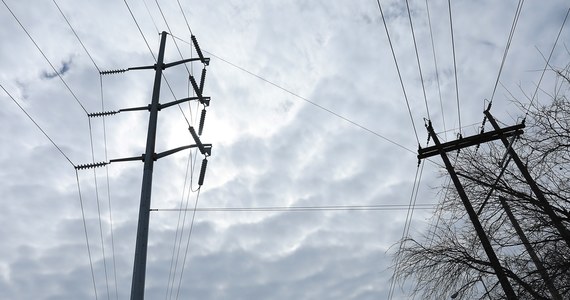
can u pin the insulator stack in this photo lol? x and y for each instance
(202, 171)
(195, 86)
(100, 114)
(202, 119)
(91, 166)
(198, 50)
(197, 140)
(202, 79)
(113, 71)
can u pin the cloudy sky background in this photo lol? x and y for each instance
(272, 147)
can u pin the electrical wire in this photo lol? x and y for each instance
(99, 210)
(45, 57)
(38, 126)
(182, 212)
(106, 167)
(547, 63)
(454, 65)
(436, 69)
(381, 207)
(139, 28)
(508, 45)
(398, 70)
(86, 235)
(410, 210)
(187, 244)
(418, 58)
(185, 19)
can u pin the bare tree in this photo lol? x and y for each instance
(449, 262)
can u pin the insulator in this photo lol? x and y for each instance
(100, 114)
(202, 79)
(195, 85)
(202, 118)
(113, 71)
(91, 166)
(202, 171)
(198, 51)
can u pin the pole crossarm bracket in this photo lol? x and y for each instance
(471, 141)
(203, 100)
(207, 149)
(205, 60)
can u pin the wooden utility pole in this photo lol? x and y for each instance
(537, 263)
(547, 208)
(456, 145)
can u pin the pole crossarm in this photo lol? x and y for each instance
(471, 140)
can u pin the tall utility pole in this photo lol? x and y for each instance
(139, 267)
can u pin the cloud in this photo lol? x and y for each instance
(65, 66)
(271, 148)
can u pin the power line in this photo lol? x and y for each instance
(384, 207)
(86, 235)
(454, 64)
(418, 58)
(398, 69)
(38, 126)
(99, 210)
(547, 63)
(106, 167)
(188, 243)
(508, 45)
(407, 222)
(77, 36)
(436, 69)
(45, 57)
(182, 213)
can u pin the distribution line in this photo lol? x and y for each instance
(410, 208)
(45, 57)
(454, 65)
(109, 189)
(398, 69)
(180, 225)
(94, 171)
(99, 211)
(38, 126)
(315, 104)
(418, 58)
(188, 243)
(508, 45)
(185, 19)
(76, 35)
(86, 235)
(436, 69)
(385, 207)
(547, 63)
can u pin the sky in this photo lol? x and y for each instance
(307, 110)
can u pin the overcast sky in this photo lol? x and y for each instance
(312, 116)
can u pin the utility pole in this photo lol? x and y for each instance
(564, 233)
(456, 145)
(139, 266)
(539, 266)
